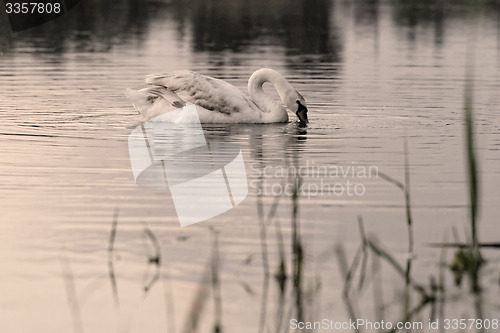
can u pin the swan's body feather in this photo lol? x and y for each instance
(218, 101)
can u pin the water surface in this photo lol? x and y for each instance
(374, 75)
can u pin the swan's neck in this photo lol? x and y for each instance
(272, 109)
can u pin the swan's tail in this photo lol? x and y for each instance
(138, 99)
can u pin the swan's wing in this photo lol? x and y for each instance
(153, 101)
(165, 94)
(210, 93)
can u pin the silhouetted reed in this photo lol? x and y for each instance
(467, 259)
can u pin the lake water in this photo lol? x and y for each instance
(375, 74)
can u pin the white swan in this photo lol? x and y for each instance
(217, 100)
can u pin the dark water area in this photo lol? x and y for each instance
(302, 27)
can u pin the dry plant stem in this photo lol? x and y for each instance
(297, 252)
(194, 316)
(216, 285)
(347, 273)
(281, 278)
(397, 267)
(153, 259)
(364, 249)
(265, 264)
(169, 301)
(442, 285)
(73, 301)
(472, 172)
(111, 265)
(410, 233)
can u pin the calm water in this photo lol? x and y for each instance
(373, 73)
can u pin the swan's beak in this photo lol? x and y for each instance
(302, 113)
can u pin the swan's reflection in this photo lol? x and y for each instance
(203, 166)
(205, 179)
(267, 145)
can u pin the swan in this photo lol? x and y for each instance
(218, 101)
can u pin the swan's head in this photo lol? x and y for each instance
(297, 104)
